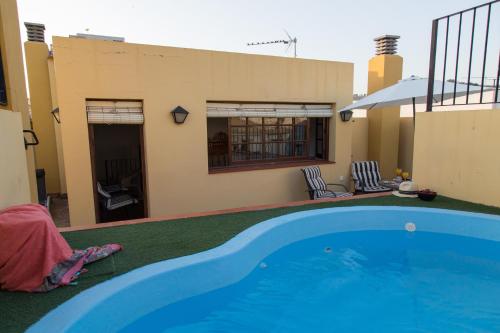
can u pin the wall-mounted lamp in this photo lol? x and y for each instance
(346, 115)
(56, 115)
(179, 114)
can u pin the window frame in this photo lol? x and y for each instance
(4, 99)
(280, 160)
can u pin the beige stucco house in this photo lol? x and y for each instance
(253, 122)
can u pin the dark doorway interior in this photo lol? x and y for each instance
(118, 172)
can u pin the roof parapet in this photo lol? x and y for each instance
(99, 37)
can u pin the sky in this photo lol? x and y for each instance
(325, 29)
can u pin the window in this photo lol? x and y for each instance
(3, 87)
(237, 141)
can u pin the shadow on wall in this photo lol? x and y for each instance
(405, 155)
(360, 141)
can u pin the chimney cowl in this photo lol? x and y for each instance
(36, 32)
(386, 44)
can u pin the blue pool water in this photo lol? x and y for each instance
(351, 269)
(360, 281)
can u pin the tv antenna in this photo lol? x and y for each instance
(291, 41)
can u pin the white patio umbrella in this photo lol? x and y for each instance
(410, 91)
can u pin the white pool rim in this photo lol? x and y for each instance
(124, 299)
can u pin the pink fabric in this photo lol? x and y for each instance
(30, 246)
(71, 273)
(67, 271)
(88, 256)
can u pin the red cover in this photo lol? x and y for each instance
(30, 247)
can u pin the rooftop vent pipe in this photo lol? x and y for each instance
(386, 44)
(36, 32)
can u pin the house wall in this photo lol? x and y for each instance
(37, 54)
(178, 180)
(17, 165)
(383, 127)
(57, 126)
(360, 143)
(14, 181)
(359, 139)
(456, 154)
(405, 155)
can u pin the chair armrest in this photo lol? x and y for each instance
(341, 185)
(103, 193)
(361, 183)
(114, 188)
(312, 191)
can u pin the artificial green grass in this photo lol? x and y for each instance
(151, 242)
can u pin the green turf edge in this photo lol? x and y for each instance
(152, 242)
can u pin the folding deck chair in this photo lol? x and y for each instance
(318, 188)
(366, 176)
(113, 197)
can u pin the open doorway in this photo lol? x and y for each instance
(118, 171)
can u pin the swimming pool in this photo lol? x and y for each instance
(388, 269)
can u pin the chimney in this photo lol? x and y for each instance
(386, 44)
(36, 32)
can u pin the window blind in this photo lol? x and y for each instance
(115, 112)
(227, 110)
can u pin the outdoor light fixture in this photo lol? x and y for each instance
(346, 115)
(55, 114)
(180, 114)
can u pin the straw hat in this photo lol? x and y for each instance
(407, 190)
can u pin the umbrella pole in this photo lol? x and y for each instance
(414, 112)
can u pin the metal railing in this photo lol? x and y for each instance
(476, 31)
(3, 86)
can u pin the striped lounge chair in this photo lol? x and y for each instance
(318, 188)
(366, 176)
